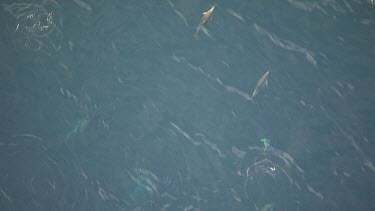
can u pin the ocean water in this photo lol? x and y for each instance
(113, 105)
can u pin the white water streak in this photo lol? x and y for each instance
(286, 44)
(5, 195)
(213, 146)
(316, 193)
(186, 135)
(83, 5)
(238, 153)
(182, 17)
(236, 15)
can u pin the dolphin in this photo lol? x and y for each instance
(207, 16)
(261, 83)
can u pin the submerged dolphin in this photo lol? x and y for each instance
(206, 17)
(261, 83)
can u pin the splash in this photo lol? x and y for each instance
(272, 176)
(36, 27)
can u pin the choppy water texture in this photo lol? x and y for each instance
(113, 105)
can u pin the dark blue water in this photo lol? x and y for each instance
(113, 105)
